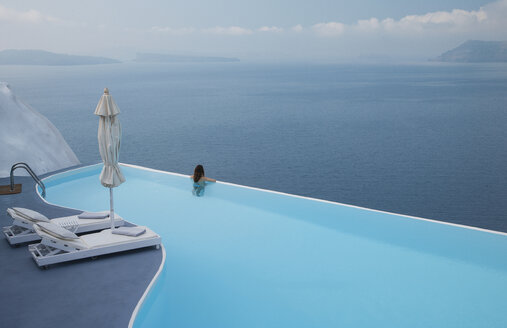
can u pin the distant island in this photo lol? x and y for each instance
(164, 58)
(41, 57)
(475, 51)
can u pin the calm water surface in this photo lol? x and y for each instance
(427, 140)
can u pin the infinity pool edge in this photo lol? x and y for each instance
(67, 173)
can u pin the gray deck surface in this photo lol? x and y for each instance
(84, 293)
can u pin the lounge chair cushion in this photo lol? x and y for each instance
(93, 215)
(57, 231)
(30, 214)
(129, 231)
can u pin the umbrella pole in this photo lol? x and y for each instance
(111, 206)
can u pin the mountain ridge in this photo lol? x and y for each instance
(476, 51)
(42, 57)
(168, 58)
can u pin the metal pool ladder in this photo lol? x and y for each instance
(16, 188)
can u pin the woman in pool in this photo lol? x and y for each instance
(199, 181)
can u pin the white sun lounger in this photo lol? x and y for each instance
(54, 249)
(21, 230)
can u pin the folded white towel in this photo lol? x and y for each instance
(129, 231)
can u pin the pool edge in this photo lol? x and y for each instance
(331, 202)
(287, 194)
(148, 289)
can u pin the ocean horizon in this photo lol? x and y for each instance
(424, 139)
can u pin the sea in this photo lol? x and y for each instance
(422, 139)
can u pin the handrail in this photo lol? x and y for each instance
(32, 173)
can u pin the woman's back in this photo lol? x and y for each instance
(199, 180)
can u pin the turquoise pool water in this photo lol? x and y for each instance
(241, 257)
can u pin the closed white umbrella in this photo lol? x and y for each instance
(109, 146)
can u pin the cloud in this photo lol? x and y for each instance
(26, 17)
(456, 17)
(329, 29)
(270, 29)
(445, 21)
(442, 21)
(298, 28)
(439, 22)
(231, 30)
(468, 24)
(368, 24)
(173, 31)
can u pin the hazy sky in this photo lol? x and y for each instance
(319, 30)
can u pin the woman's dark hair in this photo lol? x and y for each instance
(198, 173)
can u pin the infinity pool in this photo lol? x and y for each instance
(243, 257)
